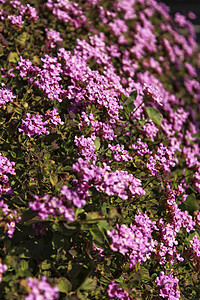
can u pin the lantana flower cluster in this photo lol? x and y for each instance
(8, 219)
(167, 284)
(3, 268)
(41, 289)
(6, 95)
(136, 242)
(114, 290)
(114, 161)
(46, 206)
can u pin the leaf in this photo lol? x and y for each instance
(53, 179)
(144, 273)
(1, 51)
(45, 265)
(97, 143)
(154, 115)
(22, 38)
(89, 284)
(190, 204)
(123, 97)
(93, 215)
(64, 285)
(24, 265)
(97, 235)
(133, 95)
(13, 57)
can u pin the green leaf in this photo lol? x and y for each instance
(97, 143)
(144, 273)
(97, 235)
(154, 115)
(45, 265)
(22, 38)
(53, 179)
(89, 284)
(1, 51)
(24, 265)
(13, 57)
(190, 204)
(93, 215)
(133, 95)
(64, 285)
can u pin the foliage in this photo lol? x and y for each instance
(99, 151)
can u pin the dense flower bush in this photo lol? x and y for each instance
(99, 151)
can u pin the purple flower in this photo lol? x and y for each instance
(3, 268)
(6, 95)
(168, 286)
(114, 290)
(34, 125)
(136, 242)
(46, 206)
(41, 289)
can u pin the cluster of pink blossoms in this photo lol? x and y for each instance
(41, 289)
(53, 38)
(46, 206)
(3, 268)
(35, 125)
(168, 286)
(8, 219)
(161, 160)
(119, 182)
(114, 290)
(194, 250)
(136, 242)
(141, 148)
(25, 12)
(119, 153)
(86, 146)
(6, 167)
(67, 11)
(6, 95)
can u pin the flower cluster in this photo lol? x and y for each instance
(194, 249)
(8, 219)
(41, 289)
(49, 78)
(53, 117)
(6, 95)
(168, 286)
(119, 182)
(6, 167)
(53, 38)
(119, 153)
(67, 11)
(114, 290)
(87, 146)
(151, 92)
(136, 242)
(34, 125)
(162, 160)
(26, 68)
(3, 268)
(24, 13)
(141, 148)
(46, 206)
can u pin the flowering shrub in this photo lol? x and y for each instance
(99, 141)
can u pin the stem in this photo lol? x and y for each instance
(137, 107)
